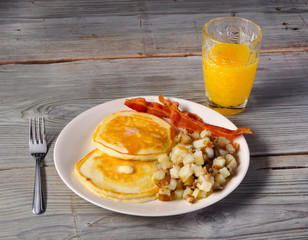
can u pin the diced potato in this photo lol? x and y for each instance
(164, 191)
(163, 157)
(172, 185)
(190, 199)
(195, 193)
(189, 181)
(220, 178)
(232, 166)
(179, 184)
(229, 158)
(222, 141)
(164, 194)
(198, 156)
(206, 140)
(178, 193)
(159, 175)
(214, 171)
(202, 194)
(186, 139)
(217, 186)
(222, 152)
(209, 152)
(201, 143)
(205, 133)
(230, 148)
(209, 178)
(188, 159)
(158, 165)
(201, 179)
(224, 172)
(198, 170)
(188, 146)
(178, 153)
(164, 182)
(195, 135)
(166, 163)
(191, 171)
(205, 186)
(219, 162)
(187, 192)
(174, 171)
(185, 172)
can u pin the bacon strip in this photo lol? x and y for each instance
(186, 120)
(141, 105)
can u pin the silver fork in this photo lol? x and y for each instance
(38, 149)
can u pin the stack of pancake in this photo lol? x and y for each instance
(128, 144)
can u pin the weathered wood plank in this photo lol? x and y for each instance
(60, 29)
(277, 111)
(16, 218)
(271, 203)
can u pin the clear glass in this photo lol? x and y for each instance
(230, 53)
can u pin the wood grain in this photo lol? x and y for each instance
(60, 58)
(276, 112)
(75, 29)
(159, 55)
(270, 202)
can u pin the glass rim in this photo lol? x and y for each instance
(220, 42)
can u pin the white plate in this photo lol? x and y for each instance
(74, 142)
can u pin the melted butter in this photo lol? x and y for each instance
(130, 131)
(125, 169)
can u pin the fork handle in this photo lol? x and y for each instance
(38, 206)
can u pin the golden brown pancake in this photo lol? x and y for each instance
(133, 135)
(117, 179)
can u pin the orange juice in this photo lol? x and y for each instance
(229, 71)
(230, 51)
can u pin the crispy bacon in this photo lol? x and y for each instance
(186, 120)
(178, 119)
(141, 105)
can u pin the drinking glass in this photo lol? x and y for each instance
(230, 53)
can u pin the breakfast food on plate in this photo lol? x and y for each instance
(139, 158)
(180, 119)
(133, 135)
(117, 179)
(203, 159)
(196, 166)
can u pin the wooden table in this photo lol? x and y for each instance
(60, 58)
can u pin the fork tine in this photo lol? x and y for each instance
(40, 138)
(44, 129)
(30, 131)
(36, 130)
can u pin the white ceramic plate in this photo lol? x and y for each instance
(74, 142)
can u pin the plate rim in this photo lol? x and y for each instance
(193, 209)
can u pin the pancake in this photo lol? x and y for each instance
(134, 135)
(117, 179)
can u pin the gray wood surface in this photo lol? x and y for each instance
(155, 48)
(79, 29)
(271, 203)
